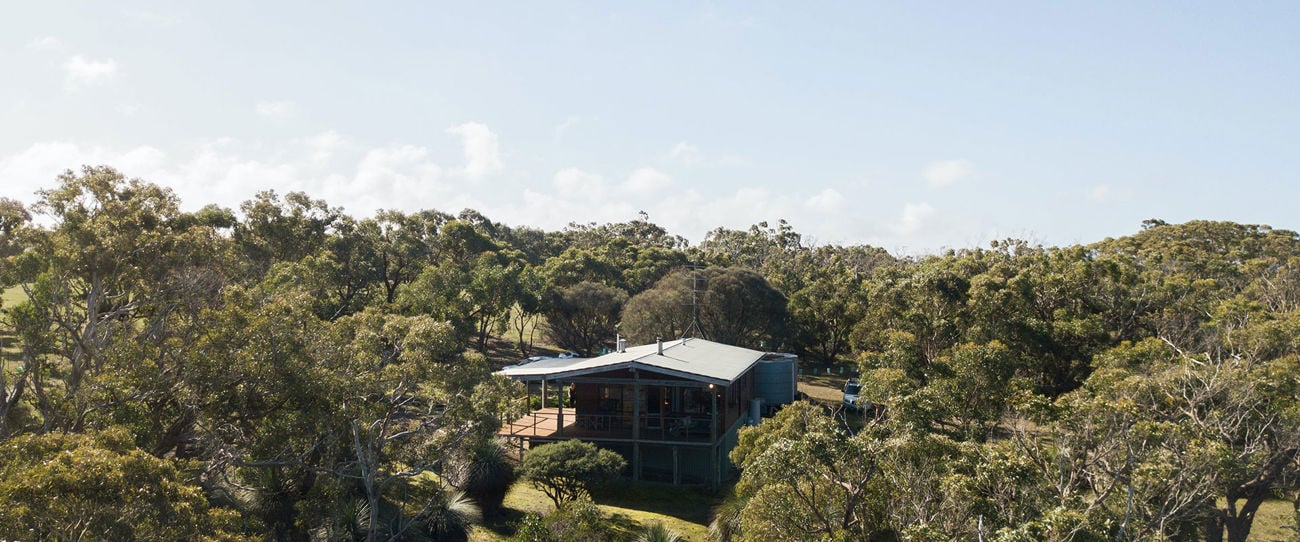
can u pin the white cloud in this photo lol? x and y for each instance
(646, 181)
(45, 43)
(827, 200)
(128, 110)
(482, 152)
(563, 128)
(22, 174)
(914, 218)
(227, 172)
(37, 166)
(947, 173)
(323, 146)
(554, 212)
(395, 176)
(574, 182)
(142, 158)
(362, 179)
(221, 172)
(81, 72)
(1100, 193)
(276, 110)
(686, 153)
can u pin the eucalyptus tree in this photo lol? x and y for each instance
(282, 230)
(584, 316)
(15, 229)
(663, 311)
(117, 265)
(412, 407)
(405, 244)
(826, 309)
(68, 486)
(1161, 442)
(730, 305)
(524, 320)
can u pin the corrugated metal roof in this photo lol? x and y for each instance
(697, 359)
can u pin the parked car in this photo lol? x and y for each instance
(567, 355)
(853, 399)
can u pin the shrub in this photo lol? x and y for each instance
(565, 471)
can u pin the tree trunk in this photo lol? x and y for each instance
(1214, 527)
(366, 462)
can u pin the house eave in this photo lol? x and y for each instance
(560, 374)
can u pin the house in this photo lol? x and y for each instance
(672, 409)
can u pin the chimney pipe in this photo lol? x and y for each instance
(620, 343)
(660, 340)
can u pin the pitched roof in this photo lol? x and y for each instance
(695, 359)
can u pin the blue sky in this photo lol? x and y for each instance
(912, 126)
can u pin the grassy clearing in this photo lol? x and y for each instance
(628, 507)
(823, 388)
(1274, 522)
(9, 352)
(12, 296)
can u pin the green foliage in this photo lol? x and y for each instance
(583, 316)
(485, 473)
(805, 477)
(734, 306)
(658, 532)
(62, 486)
(567, 470)
(576, 520)
(312, 368)
(1188, 430)
(663, 311)
(827, 308)
(274, 230)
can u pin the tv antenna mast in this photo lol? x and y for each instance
(695, 305)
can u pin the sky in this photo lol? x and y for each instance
(913, 126)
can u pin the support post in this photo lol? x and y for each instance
(713, 440)
(559, 422)
(677, 474)
(636, 426)
(713, 417)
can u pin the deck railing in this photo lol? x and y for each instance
(661, 427)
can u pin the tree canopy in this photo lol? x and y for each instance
(287, 371)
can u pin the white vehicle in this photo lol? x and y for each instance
(526, 361)
(567, 355)
(853, 399)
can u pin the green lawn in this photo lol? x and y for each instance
(1274, 522)
(8, 342)
(628, 507)
(12, 296)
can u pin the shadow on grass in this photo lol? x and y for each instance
(503, 524)
(690, 504)
(623, 527)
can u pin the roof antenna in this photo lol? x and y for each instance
(695, 306)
